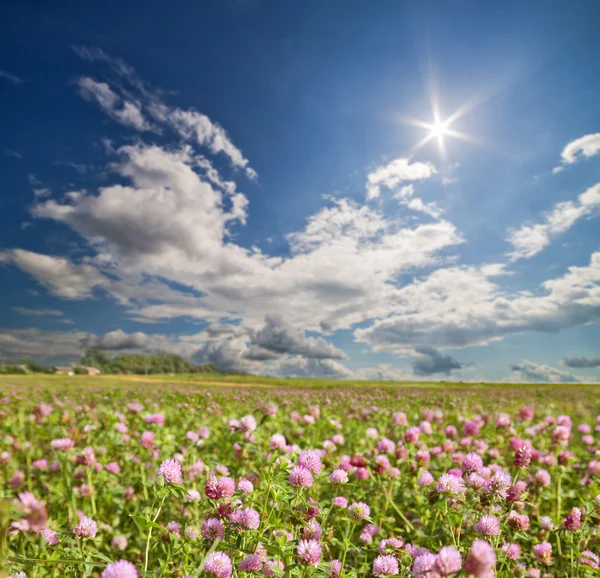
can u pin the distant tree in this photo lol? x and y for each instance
(37, 367)
(141, 364)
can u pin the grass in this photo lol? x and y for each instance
(215, 380)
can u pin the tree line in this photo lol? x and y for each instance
(135, 364)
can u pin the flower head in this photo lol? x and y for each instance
(170, 471)
(385, 566)
(359, 510)
(300, 477)
(309, 552)
(120, 569)
(86, 528)
(448, 561)
(480, 559)
(218, 564)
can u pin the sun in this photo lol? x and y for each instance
(439, 129)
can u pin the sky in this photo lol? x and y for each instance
(355, 190)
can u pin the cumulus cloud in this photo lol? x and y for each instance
(584, 147)
(429, 361)
(46, 346)
(60, 276)
(118, 340)
(530, 372)
(277, 336)
(168, 222)
(532, 238)
(123, 111)
(461, 307)
(580, 362)
(137, 98)
(302, 367)
(394, 173)
(38, 312)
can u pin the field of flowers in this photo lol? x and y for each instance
(152, 480)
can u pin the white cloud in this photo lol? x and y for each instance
(170, 223)
(530, 372)
(38, 312)
(54, 346)
(460, 307)
(531, 239)
(58, 275)
(137, 97)
(398, 171)
(280, 337)
(578, 362)
(123, 111)
(429, 361)
(317, 368)
(584, 147)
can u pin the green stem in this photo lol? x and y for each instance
(147, 550)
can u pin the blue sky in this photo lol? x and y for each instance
(253, 184)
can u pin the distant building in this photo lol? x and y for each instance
(64, 371)
(92, 370)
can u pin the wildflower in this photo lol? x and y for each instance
(248, 424)
(86, 528)
(359, 510)
(542, 477)
(338, 477)
(543, 552)
(385, 566)
(219, 488)
(251, 563)
(245, 486)
(119, 543)
(390, 546)
(120, 569)
(277, 441)
(480, 559)
(448, 561)
(523, 457)
(312, 531)
(35, 513)
(590, 559)
(170, 471)
(573, 520)
(147, 440)
(424, 566)
(219, 565)
(62, 444)
(270, 564)
(340, 501)
(425, 479)
(335, 566)
(156, 418)
(247, 518)
(192, 532)
(309, 552)
(50, 536)
(213, 529)
(450, 485)
(472, 463)
(113, 467)
(412, 435)
(173, 528)
(512, 551)
(499, 483)
(300, 477)
(311, 460)
(488, 526)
